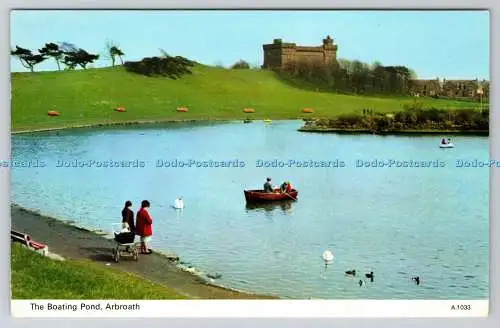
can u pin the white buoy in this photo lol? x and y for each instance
(328, 256)
(179, 203)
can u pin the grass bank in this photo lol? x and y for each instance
(36, 277)
(88, 97)
(85, 247)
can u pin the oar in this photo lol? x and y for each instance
(290, 196)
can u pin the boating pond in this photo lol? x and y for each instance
(422, 213)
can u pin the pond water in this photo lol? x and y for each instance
(397, 221)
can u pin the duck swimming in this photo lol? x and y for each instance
(369, 276)
(416, 280)
(350, 273)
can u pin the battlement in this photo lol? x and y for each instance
(278, 54)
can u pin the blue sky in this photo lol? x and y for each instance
(449, 44)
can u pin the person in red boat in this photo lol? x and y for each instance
(143, 226)
(288, 187)
(268, 187)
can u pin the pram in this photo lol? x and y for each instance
(125, 245)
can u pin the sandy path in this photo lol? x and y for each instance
(75, 243)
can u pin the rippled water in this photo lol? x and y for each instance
(397, 222)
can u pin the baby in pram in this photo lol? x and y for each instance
(125, 236)
(125, 227)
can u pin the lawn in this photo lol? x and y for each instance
(90, 96)
(36, 277)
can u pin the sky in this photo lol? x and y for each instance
(444, 44)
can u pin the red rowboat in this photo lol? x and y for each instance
(261, 196)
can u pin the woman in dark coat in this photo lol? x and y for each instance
(128, 215)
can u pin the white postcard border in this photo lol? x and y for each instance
(5, 153)
(250, 308)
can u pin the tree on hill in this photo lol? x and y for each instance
(241, 64)
(114, 51)
(52, 50)
(166, 65)
(353, 76)
(80, 57)
(27, 58)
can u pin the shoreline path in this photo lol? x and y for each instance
(75, 243)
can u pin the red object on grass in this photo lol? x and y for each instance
(53, 113)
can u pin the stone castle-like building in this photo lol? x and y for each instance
(278, 54)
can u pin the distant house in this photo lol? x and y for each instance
(425, 87)
(457, 89)
(279, 54)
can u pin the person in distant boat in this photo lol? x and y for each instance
(143, 226)
(283, 187)
(288, 187)
(268, 187)
(128, 216)
(443, 141)
(448, 141)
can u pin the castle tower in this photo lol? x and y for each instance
(329, 51)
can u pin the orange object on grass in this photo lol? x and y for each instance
(120, 109)
(53, 113)
(308, 110)
(248, 110)
(182, 109)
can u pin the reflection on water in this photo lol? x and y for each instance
(285, 206)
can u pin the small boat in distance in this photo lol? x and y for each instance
(256, 196)
(448, 145)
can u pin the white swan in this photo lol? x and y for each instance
(328, 256)
(179, 203)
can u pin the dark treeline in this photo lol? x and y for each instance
(352, 76)
(241, 64)
(72, 57)
(65, 53)
(413, 117)
(166, 65)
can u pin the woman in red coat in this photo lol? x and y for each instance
(143, 226)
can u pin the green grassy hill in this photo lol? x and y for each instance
(90, 96)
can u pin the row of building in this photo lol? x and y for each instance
(460, 89)
(278, 54)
